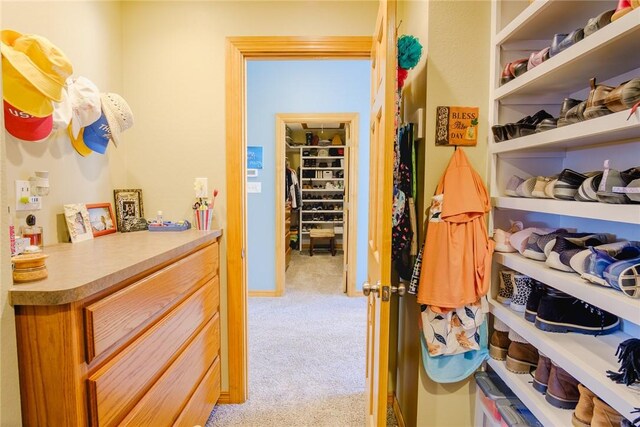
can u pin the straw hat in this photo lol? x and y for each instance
(118, 114)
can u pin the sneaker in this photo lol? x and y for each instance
(522, 286)
(559, 312)
(536, 244)
(525, 189)
(501, 237)
(512, 186)
(541, 375)
(548, 241)
(598, 261)
(611, 178)
(537, 292)
(562, 391)
(588, 189)
(567, 185)
(578, 260)
(519, 239)
(571, 244)
(506, 286)
(624, 276)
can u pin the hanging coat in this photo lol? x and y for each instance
(456, 265)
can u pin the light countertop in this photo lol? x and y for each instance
(79, 270)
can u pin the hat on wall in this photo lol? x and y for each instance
(38, 60)
(25, 126)
(118, 114)
(84, 97)
(96, 136)
(78, 143)
(17, 91)
(62, 112)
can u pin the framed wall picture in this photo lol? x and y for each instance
(101, 219)
(128, 205)
(77, 218)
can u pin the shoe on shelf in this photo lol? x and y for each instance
(536, 243)
(575, 114)
(568, 245)
(559, 312)
(522, 357)
(595, 106)
(538, 290)
(567, 104)
(562, 391)
(562, 42)
(624, 276)
(537, 58)
(548, 190)
(513, 69)
(583, 413)
(567, 184)
(624, 96)
(613, 184)
(600, 21)
(512, 186)
(501, 237)
(519, 239)
(547, 124)
(525, 189)
(522, 286)
(499, 341)
(588, 188)
(541, 375)
(624, 7)
(505, 293)
(577, 261)
(604, 415)
(598, 261)
(541, 184)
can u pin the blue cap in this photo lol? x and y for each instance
(96, 136)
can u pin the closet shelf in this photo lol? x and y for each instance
(324, 179)
(594, 210)
(307, 232)
(323, 189)
(544, 18)
(323, 200)
(606, 298)
(323, 211)
(566, 351)
(322, 157)
(606, 129)
(609, 52)
(521, 385)
(322, 222)
(320, 168)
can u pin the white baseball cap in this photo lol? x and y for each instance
(84, 97)
(62, 112)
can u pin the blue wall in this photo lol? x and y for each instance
(275, 87)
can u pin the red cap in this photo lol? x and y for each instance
(25, 126)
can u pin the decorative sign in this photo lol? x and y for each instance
(457, 126)
(254, 157)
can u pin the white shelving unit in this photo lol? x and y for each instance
(609, 55)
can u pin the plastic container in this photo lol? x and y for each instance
(515, 414)
(492, 388)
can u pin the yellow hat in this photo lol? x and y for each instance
(38, 60)
(78, 143)
(17, 91)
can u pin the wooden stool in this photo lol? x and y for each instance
(316, 236)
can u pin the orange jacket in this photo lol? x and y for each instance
(456, 265)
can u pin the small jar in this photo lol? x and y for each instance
(33, 232)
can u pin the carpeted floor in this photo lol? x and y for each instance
(306, 353)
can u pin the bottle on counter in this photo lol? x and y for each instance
(33, 232)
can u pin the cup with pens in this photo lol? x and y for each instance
(203, 212)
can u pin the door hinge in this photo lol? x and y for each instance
(386, 293)
(242, 253)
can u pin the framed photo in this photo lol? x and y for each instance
(101, 219)
(128, 205)
(77, 218)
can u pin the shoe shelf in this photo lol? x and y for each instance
(322, 211)
(323, 179)
(547, 414)
(593, 210)
(320, 168)
(323, 200)
(323, 189)
(322, 157)
(322, 222)
(614, 127)
(608, 299)
(541, 19)
(585, 357)
(607, 53)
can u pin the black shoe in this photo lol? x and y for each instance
(538, 290)
(567, 185)
(559, 312)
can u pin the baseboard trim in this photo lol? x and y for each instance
(225, 398)
(398, 412)
(273, 293)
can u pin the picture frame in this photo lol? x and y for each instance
(128, 203)
(101, 219)
(77, 219)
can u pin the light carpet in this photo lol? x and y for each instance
(306, 352)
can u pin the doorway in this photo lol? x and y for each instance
(239, 50)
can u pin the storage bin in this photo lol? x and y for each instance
(492, 388)
(515, 414)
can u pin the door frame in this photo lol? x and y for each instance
(351, 157)
(238, 51)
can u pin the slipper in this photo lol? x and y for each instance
(624, 7)
(563, 41)
(624, 96)
(595, 106)
(594, 24)
(537, 58)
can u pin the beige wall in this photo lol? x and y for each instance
(455, 72)
(167, 59)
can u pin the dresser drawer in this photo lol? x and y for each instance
(116, 387)
(203, 400)
(121, 314)
(162, 404)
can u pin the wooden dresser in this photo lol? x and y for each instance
(124, 331)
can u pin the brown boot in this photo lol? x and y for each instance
(604, 415)
(522, 357)
(499, 345)
(584, 411)
(563, 389)
(541, 376)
